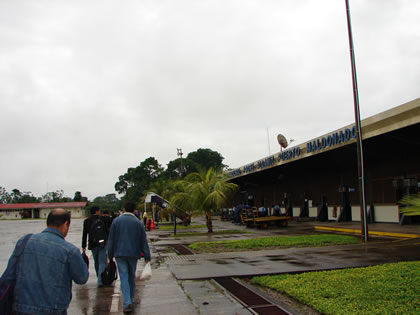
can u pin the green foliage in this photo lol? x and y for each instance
(223, 232)
(275, 242)
(108, 202)
(78, 197)
(204, 191)
(136, 180)
(17, 196)
(200, 160)
(203, 159)
(181, 227)
(4, 196)
(411, 205)
(384, 289)
(55, 196)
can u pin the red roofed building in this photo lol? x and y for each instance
(40, 210)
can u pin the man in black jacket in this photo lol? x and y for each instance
(96, 230)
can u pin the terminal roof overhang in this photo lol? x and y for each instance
(390, 121)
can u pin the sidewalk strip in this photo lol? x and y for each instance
(400, 235)
(115, 300)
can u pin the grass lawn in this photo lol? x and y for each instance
(274, 242)
(182, 227)
(383, 289)
(207, 234)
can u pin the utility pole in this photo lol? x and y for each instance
(179, 152)
(361, 175)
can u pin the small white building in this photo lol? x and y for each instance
(40, 210)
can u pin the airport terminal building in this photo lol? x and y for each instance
(319, 178)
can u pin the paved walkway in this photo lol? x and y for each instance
(183, 285)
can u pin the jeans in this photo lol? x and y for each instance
(127, 271)
(99, 256)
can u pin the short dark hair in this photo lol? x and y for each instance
(58, 217)
(129, 206)
(105, 212)
(94, 209)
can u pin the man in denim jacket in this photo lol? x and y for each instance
(47, 268)
(126, 242)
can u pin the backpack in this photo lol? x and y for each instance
(98, 233)
(8, 279)
(110, 273)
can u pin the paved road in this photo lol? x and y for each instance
(174, 287)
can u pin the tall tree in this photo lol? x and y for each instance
(108, 202)
(136, 180)
(55, 196)
(17, 196)
(4, 196)
(78, 197)
(203, 159)
(207, 191)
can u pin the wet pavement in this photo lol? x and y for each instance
(183, 284)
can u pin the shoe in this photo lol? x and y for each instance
(128, 309)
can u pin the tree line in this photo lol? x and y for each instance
(196, 182)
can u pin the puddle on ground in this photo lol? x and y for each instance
(300, 263)
(220, 261)
(278, 258)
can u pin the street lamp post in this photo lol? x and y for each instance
(179, 152)
(361, 175)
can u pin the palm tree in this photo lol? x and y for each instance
(206, 191)
(411, 205)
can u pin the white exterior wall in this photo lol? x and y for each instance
(10, 214)
(355, 213)
(383, 213)
(77, 212)
(43, 213)
(330, 213)
(386, 213)
(313, 212)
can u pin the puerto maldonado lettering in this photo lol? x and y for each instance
(331, 140)
(266, 162)
(319, 144)
(288, 154)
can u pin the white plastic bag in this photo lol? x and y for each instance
(146, 274)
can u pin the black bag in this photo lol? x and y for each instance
(98, 234)
(110, 273)
(8, 279)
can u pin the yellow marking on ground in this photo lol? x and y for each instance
(391, 234)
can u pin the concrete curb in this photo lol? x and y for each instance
(391, 234)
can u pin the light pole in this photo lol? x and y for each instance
(361, 175)
(179, 153)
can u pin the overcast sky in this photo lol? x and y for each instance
(91, 88)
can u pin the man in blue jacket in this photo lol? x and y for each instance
(47, 268)
(126, 242)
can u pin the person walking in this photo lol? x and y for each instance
(127, 241)
(96, 231)
(46, 269)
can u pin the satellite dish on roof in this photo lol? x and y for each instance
(282, 141)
